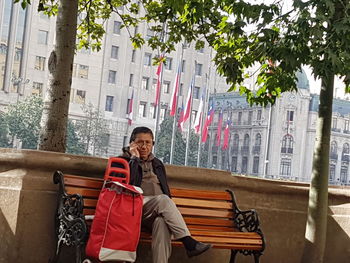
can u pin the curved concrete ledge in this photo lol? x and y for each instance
(28, 202)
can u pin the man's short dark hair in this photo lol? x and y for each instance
(138, 130)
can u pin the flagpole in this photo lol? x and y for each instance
(159, 99)
(205, 110)
(177, 101)
(189, 123)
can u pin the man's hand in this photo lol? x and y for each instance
(134, 149)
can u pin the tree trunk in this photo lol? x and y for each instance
(56, 104)
(316, 225)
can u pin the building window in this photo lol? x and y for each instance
(83, 71)
(112, 76)
(290, 116)
(334, 123)
(39, 63)
(246, 141)
(145, 83)
(131, 80)
(287, 144)
(37, 88)
(79, 98)
(42, 37)
(114, 52)
(345, 153)
(223, 162)
(154, 84)
(196, 92)
(239, 118)
(334, 147)
(181, 90)
(250, 117)
(142, 109)
(166, 87)
(286, 165)
(163, 110)
(109, 103)
(116, 27)
(256, 165)
(198, 69)
(332, 172)
(235, 140)
(258, 139)
(344, 174)
(201, 50)
(168, 63)
(244, 164)
(147, 60)
(149, 34)
(133, 55)
(234, 164)
(152, 111)
(183, 64)
(258, 115)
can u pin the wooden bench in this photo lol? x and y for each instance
(211, 216)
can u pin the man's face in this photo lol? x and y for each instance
(145, 144)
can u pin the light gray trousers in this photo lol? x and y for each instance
(162, 218)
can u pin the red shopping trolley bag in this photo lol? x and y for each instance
(115, 230)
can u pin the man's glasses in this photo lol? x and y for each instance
(142, 143)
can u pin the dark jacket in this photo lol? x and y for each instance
(136, 172)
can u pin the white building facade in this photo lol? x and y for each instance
(106, 79)
(277, 142)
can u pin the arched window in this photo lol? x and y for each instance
(287, 144)
(257, 139)
(246, 140)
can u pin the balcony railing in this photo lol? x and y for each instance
(346, 131)
(333, 156)
(245, 150)
(256, 149)
(335, 129)
(286, 150)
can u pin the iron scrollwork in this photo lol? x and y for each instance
(70, 225)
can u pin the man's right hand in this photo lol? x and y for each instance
(134, 150)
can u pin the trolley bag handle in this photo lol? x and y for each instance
(117, 170)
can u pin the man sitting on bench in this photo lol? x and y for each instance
(160, 214)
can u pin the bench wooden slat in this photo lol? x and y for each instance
(249, 235)
(80, 182)
(210, 228)
(205, 212)
(200, 194)
(83, 191)
(202, 203)
(208, 221)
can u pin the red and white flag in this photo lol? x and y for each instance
(226, 135)
(218, 132)
(131, 101)
(158, 73)
(198, 122)
(207, 122)
(181, 118)
(173, 102)
(187, 110)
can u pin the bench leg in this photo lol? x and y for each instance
(78, 254)
(233, 256)
(257, 257)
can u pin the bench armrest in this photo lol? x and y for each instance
(70, 226)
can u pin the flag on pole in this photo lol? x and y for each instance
(198, 122)
(207, 122)
(131, 101)
(174, 96)
(158, 73)
(218, 132)
(226, 135)
(187, 110)
(181, 118)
